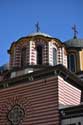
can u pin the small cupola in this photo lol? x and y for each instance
(75, 52)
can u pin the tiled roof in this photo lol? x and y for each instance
(58, 70)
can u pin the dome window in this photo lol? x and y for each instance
(23, 57)
(39, 54)
(54, 57)
(72, 62)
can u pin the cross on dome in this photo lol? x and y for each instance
(37, 27)
(75, 31)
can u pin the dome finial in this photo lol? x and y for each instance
(37, 27)
(75, 31)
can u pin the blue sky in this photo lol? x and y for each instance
(56, 18)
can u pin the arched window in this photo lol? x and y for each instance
(39, 54)
(54, 56)
(23, 57)
(72, 62)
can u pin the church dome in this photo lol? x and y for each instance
(40, 34)
(75, 42)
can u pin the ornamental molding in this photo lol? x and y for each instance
(16, 114)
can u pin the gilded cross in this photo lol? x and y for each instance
(75, 31)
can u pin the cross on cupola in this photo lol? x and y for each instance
(75, 31)
(37, 27)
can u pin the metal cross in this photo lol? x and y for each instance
(37, 27)
(75, 31)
